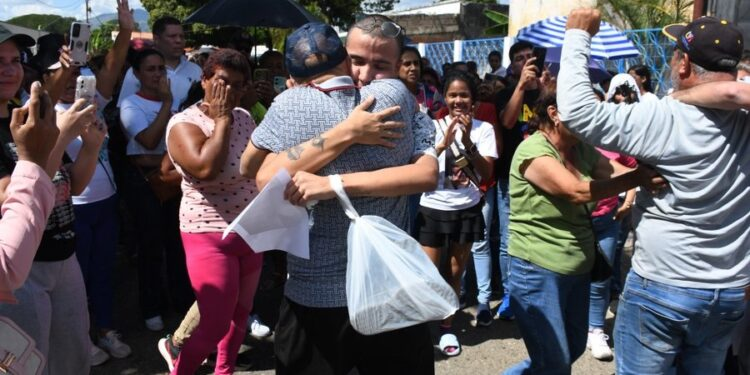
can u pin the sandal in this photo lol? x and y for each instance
(449, 345)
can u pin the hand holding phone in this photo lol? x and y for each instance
(541, 54)
(262, 74)
(86, 88)
(80, 34)
(279, 84)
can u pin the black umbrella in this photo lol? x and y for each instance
(261, 13)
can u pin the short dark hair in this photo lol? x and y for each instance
(363, 24)
(433, 73)
(459, 75)
(263, 59)
(643, 71)
(142, 55)
(161, 24)
(518, 47)
(226, 58)
(496, 54)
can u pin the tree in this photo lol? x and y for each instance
(101, 38)
(499, 22)
(47, 22)
(339, 12)
(644, 14)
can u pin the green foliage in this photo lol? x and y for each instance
(337, 12)
(179, 9)
(101, 38)
(644, 14)
(47, 22)
(499, 21)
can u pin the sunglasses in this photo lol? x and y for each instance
(387, 28)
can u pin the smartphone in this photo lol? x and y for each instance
(80, 34)
(540, 53)
(261, 74)
(279, 84)
(86, 88)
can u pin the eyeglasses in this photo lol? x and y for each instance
(387, 28)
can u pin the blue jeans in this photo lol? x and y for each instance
(482, 252)
(606, 230)
(551, 310)
(666, 329)
(503, 216)
(97, 226)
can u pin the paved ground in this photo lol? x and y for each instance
(485, 350)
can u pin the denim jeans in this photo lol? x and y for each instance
(482, 252)
(503, 217)
(606, 230)
(97, 225)
(666, 329)
(615, 286)
(551, 310)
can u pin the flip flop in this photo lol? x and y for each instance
(448, 341)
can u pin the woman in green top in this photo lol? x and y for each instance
(553, 177)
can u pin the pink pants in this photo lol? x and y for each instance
(224, 275)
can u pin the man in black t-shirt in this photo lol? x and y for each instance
(515, 107)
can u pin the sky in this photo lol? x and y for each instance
(66, 8)
(75, 8)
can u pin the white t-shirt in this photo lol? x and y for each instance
(482, 134)
(136, 114)
(102, 184)
(180, 80)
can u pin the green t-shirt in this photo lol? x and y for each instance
(549, 231)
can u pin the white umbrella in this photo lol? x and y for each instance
(608, 43)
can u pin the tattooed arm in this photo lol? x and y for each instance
(361, 127)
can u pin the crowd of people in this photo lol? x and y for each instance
(563, 168)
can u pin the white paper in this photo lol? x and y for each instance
(270, 222)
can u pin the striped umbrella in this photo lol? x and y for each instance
(608, 43)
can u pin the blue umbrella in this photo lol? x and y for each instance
(597, 71)
(608, 43)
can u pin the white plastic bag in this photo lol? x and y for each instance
(390, 281)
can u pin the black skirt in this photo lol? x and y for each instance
(438, 228)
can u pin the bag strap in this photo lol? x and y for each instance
(338, 187)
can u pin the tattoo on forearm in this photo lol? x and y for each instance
(318, 142)
(295, 152)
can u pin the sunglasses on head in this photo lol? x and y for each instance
(387, 28)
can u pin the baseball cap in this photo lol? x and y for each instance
(314, 39)
(711, 43)
(22, 40)
(48, 52)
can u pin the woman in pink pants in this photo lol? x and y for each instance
(205, 142)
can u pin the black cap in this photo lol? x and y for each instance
(48, 52)
(711, 43)
(22, 40)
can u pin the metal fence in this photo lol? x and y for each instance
(655, 48)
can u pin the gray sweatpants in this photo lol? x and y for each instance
(52, 309)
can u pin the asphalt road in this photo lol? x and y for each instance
(486, 350)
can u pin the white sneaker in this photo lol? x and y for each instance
(155, 324)
(98, 356)
(256, 327)
(597, 342)
(112, 344)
